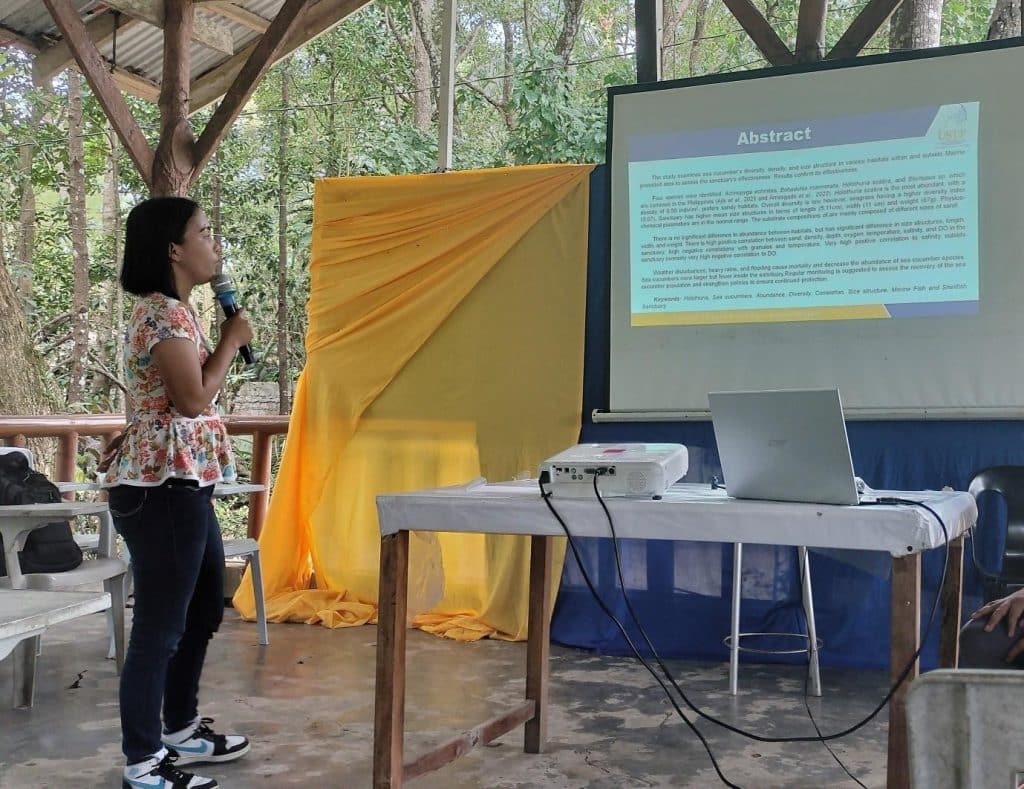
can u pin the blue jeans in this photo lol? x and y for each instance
(178, 568)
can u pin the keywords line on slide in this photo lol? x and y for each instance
(866, 216)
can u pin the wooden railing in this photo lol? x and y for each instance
(67, 428)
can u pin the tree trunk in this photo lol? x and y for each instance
(25, 252)
(1005, 20)
(916, 24)
(79, 248)
(570, 29)
(508, 54)
(24, 386)
(423, 64)
(313, 137)
(112, 230)
(283, 376)
(671, 12)
(206, 305)
(700, 24)
(332, 163)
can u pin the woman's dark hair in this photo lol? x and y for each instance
(151, 227)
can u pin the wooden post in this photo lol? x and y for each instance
(261, 445)
(904, 628)
(260, 473)
(174, 159)
(67, 457)
(538, 646)
(952, 602)
(810, 31)
(389, 694)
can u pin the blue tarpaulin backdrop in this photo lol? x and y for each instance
(681, 590)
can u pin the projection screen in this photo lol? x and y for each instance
(854, 225)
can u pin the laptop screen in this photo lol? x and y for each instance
(784, 445)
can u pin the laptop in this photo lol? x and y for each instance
(784, 445)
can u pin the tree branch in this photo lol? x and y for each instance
(428, 43)
(400, 38)
(499, 106)
(467, 45)
(98, 367)
(55, 345)
(52, 324)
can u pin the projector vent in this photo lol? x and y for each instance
(636, 482)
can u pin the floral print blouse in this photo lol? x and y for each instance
(158, 442)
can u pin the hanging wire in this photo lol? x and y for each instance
(113, 45)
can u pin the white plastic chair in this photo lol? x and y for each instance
(106, 567)
(245, 547)
(250, 549)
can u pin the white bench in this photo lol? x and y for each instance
(24, 615)
(16, 521)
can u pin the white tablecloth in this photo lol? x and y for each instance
(687, 512)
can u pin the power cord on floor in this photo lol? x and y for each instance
(804, 568)
(750, 735)
(546, 496)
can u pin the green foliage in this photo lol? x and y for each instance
(351, 112)
(551, 126)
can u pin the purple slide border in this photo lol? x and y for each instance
(871, 127)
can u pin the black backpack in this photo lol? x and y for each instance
(50, 548)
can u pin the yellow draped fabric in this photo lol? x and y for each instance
(445, 341)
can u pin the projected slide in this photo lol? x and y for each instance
(863, 216)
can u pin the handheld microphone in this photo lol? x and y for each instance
(225, 293)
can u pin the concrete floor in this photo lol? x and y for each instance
(306, 701)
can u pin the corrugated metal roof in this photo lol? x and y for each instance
(139, 45)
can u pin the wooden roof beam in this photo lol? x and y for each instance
(761, 32)
(95, 70)
(53, 59)
(205, 29)
(132, 83)
(23, 42)
(810, 31)
(235, 13)
(259, 61)
(321, 16)
(863, 28)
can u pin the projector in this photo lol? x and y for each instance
(639, 470)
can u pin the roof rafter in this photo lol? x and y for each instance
(259, 60)
(52, 60)
(320, 17)
(205, 29)
(761, 32)
(235, 13)
(861, 30)
(95, 70)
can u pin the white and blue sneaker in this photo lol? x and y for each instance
(197, 743)
(159, 772)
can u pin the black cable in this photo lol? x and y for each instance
(751, 735)
(804, 568)
(990, 581)
(546, 496)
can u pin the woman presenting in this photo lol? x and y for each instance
(160, 477)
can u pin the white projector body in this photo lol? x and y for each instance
(638, 470)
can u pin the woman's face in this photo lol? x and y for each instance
(197, 258)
